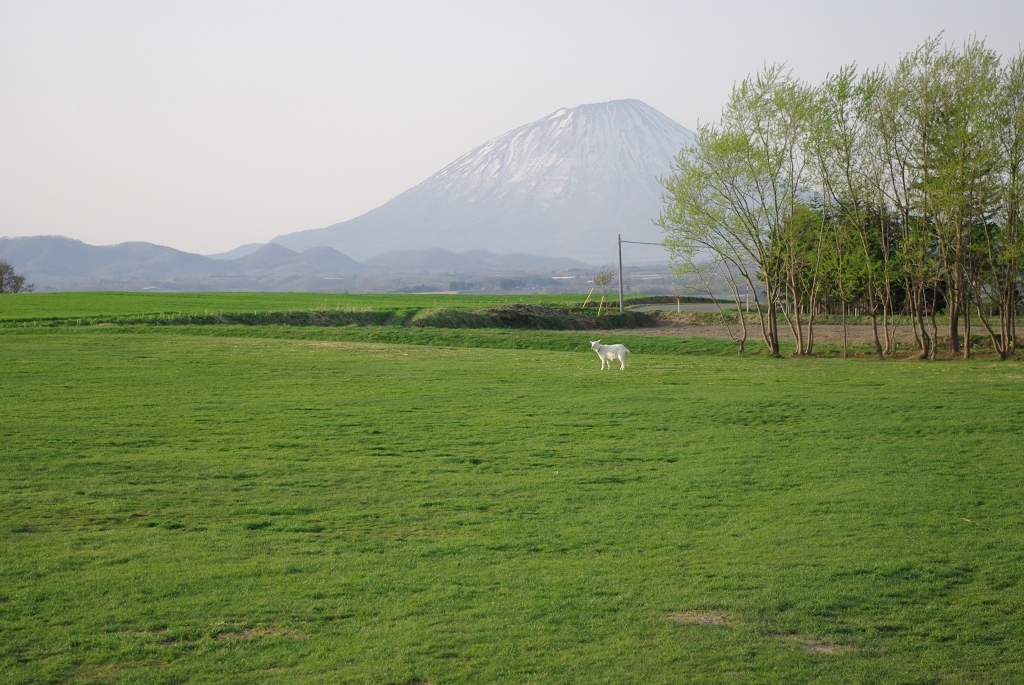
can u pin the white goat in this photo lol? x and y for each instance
(609, 352)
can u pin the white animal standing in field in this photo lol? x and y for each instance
(607, 353)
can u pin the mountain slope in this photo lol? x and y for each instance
(562, 186)
(59, 263)
(45, 256)
(240, 251)
(439, 259)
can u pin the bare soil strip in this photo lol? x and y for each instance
(824, 333)
(700, 619)
(804, 642)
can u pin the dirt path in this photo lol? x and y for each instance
(857, 335)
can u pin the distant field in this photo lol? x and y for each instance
(286, 505)
(90, 304)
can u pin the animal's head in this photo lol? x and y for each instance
(594, 344)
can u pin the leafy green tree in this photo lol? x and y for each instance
(964, 178)
(899, 190)
(11, 282)
(1003, 236)
(844, 147)
(843, 276)
(731, 194)
(796, 252)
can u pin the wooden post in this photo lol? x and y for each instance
(621, 306)
(588, 297)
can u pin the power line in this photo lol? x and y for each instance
(622, 306)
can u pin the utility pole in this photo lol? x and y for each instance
(621, 305)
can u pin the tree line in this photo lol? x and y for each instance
(895, 192)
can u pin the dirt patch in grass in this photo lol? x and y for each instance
(247, 634)
(823, 647)
(823, 333)
(700, 618)
(804, 642)
(814, 645)
(96, 673)
(256, 632)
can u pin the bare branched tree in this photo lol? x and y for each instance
(602, 279)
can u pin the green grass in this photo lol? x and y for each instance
(389, 505)
(504, 339)
(291, 309)
(87, 305)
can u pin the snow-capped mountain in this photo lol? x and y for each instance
(563, 186)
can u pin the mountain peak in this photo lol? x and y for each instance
(561, 186)
(572, 150)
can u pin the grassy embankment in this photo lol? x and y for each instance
(306, 310)
(94, 305)
(274, 504)
(547, 312)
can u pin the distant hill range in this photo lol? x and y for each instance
(563, 186)
(59, 263)
(546, 196)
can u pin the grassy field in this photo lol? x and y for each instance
(43, 306)
(289, 505)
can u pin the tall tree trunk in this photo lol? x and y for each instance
(954, 325)
(885, 326)
(743, 327)
(874, 333)
(967, 328)
(772, 336)
(795, 324)
(810, 332)
(874, 316)
(846, 344)
(915, 317)
(926, 343)
(1013, 319)
(999, 340)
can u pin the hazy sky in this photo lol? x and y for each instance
(204, 125)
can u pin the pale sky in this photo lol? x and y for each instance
(204, 125)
